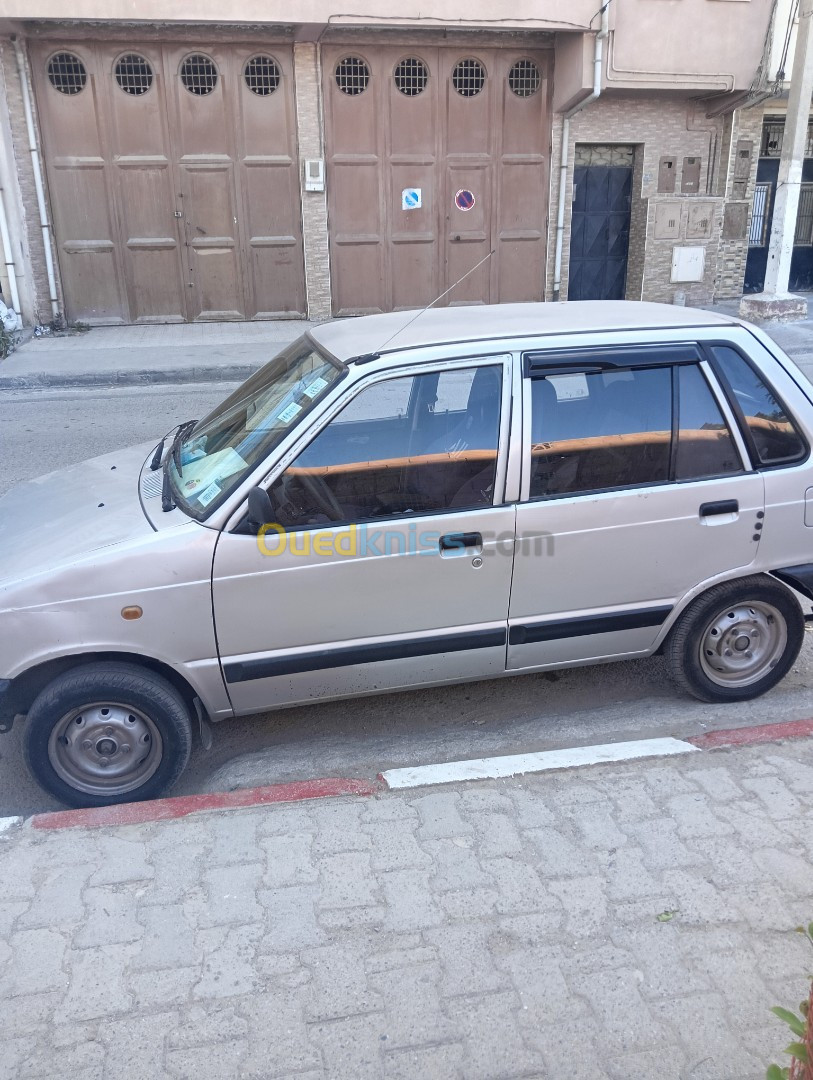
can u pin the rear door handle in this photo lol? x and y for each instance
(461, 542)
(724, 506)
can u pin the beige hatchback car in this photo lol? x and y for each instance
(400, 501)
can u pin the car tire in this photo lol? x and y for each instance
(107, 733)
(737, 640)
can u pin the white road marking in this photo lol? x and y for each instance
(7, 823)
(544, 761)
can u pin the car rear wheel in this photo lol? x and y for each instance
(107, 733)
(737, 640)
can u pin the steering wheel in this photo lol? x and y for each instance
(322, 496)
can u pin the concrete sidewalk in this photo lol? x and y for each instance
(617, 922)
(133, 355)
(213, 352)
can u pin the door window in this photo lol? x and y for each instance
(393, 452)
(775, 439)
(614, 429)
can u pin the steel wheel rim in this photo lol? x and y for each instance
(743, 643)
(105, 748)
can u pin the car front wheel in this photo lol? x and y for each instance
(107, 733)
(737, 640)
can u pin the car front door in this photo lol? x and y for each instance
(637, 480)
(389, 560)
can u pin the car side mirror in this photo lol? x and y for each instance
(260, 508)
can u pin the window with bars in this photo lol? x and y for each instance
(262, 75)
(758, 234)
(67, 73)
(524, 78)
(199, 74)
(468, 77)
(804, 216)
(411, 76)
(134, 74)
(773, 131)
(352, 75)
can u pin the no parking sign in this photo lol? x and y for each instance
(464, 199)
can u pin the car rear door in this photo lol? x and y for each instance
(389, 563)
(636, 477)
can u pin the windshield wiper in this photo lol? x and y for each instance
(167, 502)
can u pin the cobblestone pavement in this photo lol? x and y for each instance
(499, 929)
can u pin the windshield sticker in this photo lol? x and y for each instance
(288, 413)
(315, 387)
(569, 387)
(209, 493)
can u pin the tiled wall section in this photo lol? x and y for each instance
(314, 204)
(747, 124)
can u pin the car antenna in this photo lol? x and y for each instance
(375, 355)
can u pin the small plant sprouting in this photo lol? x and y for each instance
(801, 1048)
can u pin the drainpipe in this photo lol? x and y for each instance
(598, 53)
(37, 167)
(8, 259)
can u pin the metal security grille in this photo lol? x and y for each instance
(411, 76)
(262, 75)
(595, 154)
(352, 75)
(757, 235)
(804, 218)
(524, 78)
(134, 74)
(67, 73)
(468, 77)
(773, 131)
(199, 74)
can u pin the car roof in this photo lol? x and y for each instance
(349, 338)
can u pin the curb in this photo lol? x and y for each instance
(504, 766)
(144, 377)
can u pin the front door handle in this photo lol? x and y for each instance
(724, 506)
(453, 542)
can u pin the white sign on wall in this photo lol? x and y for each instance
(411, 198)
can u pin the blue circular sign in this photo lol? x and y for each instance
(464, 200)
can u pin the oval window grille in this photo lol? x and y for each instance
(468, 77)
(352, 75)
(411, 76)
(199, 74)
(524, 78)
(67, 73)
(262, 75)
(134, 74)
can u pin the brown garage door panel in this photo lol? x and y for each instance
(195, 209)
(454, 119)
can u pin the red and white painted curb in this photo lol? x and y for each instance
(414, 776)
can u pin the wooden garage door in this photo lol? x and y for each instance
(462, 133)
(173, 180)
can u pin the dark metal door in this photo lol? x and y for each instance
(599, 232)
(801, 263)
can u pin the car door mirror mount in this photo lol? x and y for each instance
(260, 508)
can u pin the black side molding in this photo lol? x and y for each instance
(584, 625)
(270, 666)
(798, 577)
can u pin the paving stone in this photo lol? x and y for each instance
(119, 860)
(222, 1062)
(791, 871)
(352, 1047)
(585, 902)
(559, 856)
(536, 975)
(631, 799)
(58, 901)
(662, 847)
(281, 820)
(229, 969)
(410, 904)
(110, 917)
(497, 835)
(797, 775)
(440, 815)
(10, 911)
(339, 985)
(394, 847)
(696, 817)
(208, 1023)
(704, 1029)
(231, 894)
(627, 1024)
(626, 875)
(532, 812)
(469, 903)
(520, 887)
(657, 950)
(387, 807)
(351, 918)
(479, 799)
(408, 954)
(172, 986)
(37, 963)
(779, 800)
(717, 783)
(596, 828)
(655, 1063)
(290, 918)
(233, 838)
(455, 865)
(464, 955)
(347, 881)
(492, 1020)
(413, 1004)
(168, 939)
(429, 1061)
(134, 1046)
(289, 860)
(97, 986)
(278, 1043)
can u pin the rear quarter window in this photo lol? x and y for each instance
(774, 437)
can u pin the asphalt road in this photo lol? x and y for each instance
(41, 431)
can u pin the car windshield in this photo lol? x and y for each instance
(235, 437)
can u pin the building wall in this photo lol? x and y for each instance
(314, 203)
(733, 253)
(20, 195)
(659, 126)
